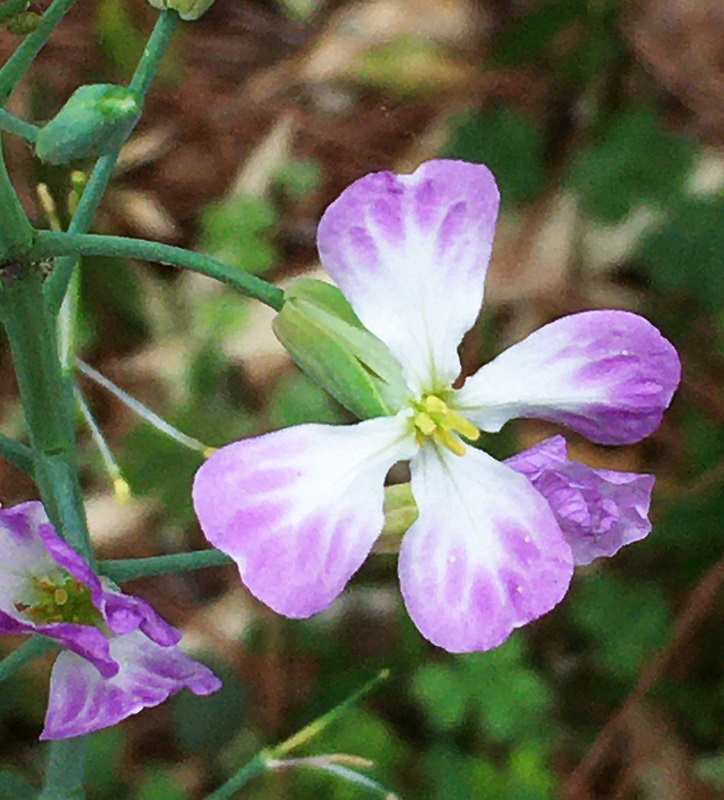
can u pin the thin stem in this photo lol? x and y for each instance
(12, 124)
(267, 759)
(16, 232)
(257, 766)
(17, 454)
(142, 410)
(156, 47)
(18, 63)
(46, 396)
(127, 569)
(49, 244)
(27, 652)
(65, 769)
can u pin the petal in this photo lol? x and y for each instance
(125, 613)
(486, 554)
(544, 455)
(81, 701)
(299, 509)
(22, 552)
(410, 252)
(599, 511)
(607, 374)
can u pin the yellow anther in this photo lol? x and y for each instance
(456, 422)
(60, 596)
(122, 490)
(424, 423)
(451, 442)
(435, 405)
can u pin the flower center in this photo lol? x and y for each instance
(434, 419)
(60, 598)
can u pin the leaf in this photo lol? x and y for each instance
(636, 161)
(626, 622)
(509, 143)
(685, 253)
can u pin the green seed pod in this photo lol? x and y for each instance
(94, 121)
(328, 342)
(186, 9)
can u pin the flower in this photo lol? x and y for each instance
(119, 655)
(299, 509)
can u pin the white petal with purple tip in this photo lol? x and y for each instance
(81, 701)
(607, 374)
(299, 509)
(486, 554)
(410, 253)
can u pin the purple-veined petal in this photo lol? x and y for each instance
(599, 510)
(410, 253)
(607, 374)
(547, 454)
(126, 612)
(81, 701)
(486, 554)
(299, 509)
(22, 552)
(123, 613)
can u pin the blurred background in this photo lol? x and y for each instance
(602, 121)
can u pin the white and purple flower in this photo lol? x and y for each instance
(494, 545)
(119, 656)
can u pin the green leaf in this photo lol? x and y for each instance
(299, 177)
(105, 756)
(205, 724)
(685, 253)
(238, 231)
(636, 161)
(508, 142)
(626, 622)
(443, 696)
(13, 787)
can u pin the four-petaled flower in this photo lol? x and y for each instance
(492, 549)
(119, 656)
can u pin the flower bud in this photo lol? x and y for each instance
(94, 121)
(186, 9)
(328, 342)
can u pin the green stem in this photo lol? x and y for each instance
(127, 569)
(65, 770)
(261, 762)
(28, 651)
(16, 232)
(49, 244)
(46, 397)
(156, 47)
(17, 454)
(12, 124)
(257, 766)
(16, 66)
(11, 8)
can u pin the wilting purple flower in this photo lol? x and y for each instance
(599, 510)
(299, 509)
(119, 655)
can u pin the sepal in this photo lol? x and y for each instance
(186, 9)
(326, 339)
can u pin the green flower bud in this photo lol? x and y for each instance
(94, 121)
(186, 9)
(327, 341)
(24, 23)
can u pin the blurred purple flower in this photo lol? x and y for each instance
(119, 656)
(299, 509)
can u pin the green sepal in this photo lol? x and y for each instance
(400, 510)
(327, 341)
(95, 120)
(186, 9)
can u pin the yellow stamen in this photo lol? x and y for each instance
(451, 442)
(433, 418)
(60, 596)
(425, 423)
